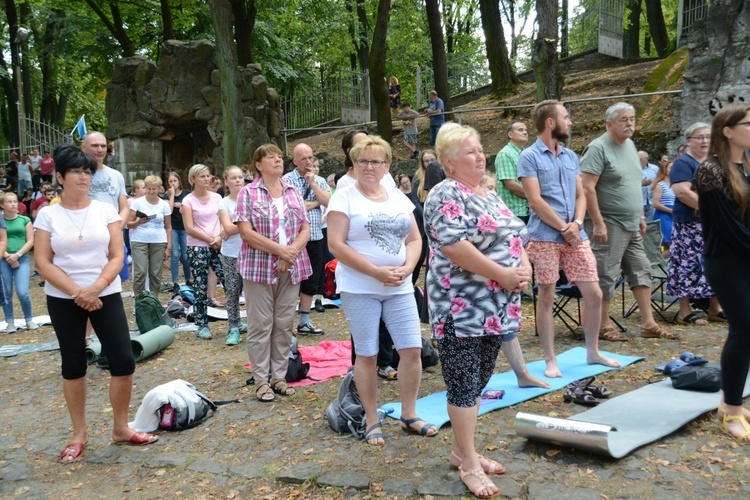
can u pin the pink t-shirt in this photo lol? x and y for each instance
(205, 217)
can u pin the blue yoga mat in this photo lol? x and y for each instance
(572, 363)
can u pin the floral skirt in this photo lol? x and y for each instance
(685, 276)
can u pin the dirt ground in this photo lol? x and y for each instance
(245, 447)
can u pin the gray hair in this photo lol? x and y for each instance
(695, 126)
(614, 111)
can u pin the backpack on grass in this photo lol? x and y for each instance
(149, 313)
(345, 414)
(296, 370)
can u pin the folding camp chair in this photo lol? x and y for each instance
(660, 301)
(564, 293)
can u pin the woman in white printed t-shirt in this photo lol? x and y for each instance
(150, 237)
(234, 180)
(373, 234)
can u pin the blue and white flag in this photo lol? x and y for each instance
(80, 127)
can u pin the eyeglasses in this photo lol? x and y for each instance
(374, 163)
(741, 123)
(705, 138)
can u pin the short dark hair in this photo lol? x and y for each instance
(69, 156)
(405, 103)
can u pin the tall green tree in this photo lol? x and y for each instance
(501, 71)
(632, 40)
(657, 27)
(233, 123)
(377, 70)
(439, 60)
(549, 78)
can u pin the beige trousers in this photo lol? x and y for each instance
(270, 320)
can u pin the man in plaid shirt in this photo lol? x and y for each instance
(316, 193)
(509, 188)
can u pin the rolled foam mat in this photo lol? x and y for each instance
(619, 425)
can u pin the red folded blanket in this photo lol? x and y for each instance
(328, 359)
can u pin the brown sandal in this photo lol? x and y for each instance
(281, 387)
(657, 332)
(264, 394)
(609, 333)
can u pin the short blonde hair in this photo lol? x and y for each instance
(372, 142)
(153, 180)
(449, 139)
(139, 183)
(195, 171)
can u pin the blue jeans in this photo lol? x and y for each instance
(23, 185)
(433, 133)
(20, 276)
(179, 254)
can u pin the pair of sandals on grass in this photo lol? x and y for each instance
(654, 332)
(584, 392)
(266, 391)
(374, 435)
(692, 318)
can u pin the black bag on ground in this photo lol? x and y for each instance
(697, 378)
(296, 370)
(345, 414)
(430, 356)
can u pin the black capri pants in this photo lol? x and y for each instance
(467, 363)
(111, 326)
(316, 252)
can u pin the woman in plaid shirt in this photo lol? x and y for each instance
(272, 220)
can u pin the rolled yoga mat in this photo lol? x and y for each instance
(152, 342)
(619, 425)
(93, 350)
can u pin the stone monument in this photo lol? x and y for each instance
(168, 115)
(719, 69)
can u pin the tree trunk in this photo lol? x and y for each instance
(549, 79)
(362, 29)
(501, 72)
(244, 22)
(167, 27)
(10, 86)
(439, 63)
(377, 71)
(632, 39)
(48, 111)
(564, 52)
(232, 120)
(28, 95)
(115, 26)
(657, 27)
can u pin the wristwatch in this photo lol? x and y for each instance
(579, 222)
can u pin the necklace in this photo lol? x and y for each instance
(80, 228)
(382, 192)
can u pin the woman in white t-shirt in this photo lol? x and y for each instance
(200, 215)
(78, 251)
(234, 180)
(373, 234)
(150, 236)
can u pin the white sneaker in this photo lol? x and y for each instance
(30, 325)
(11, 328)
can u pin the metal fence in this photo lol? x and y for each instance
(690, 12)
(458, 114)
(37, 135)
(312, 108)
(464, 74)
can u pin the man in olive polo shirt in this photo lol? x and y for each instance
(612, 177)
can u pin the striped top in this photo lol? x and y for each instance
(667, 195)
